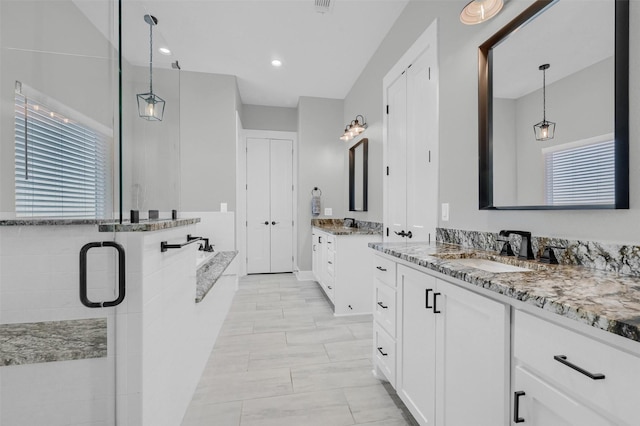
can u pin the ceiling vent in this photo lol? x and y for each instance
(323, 6)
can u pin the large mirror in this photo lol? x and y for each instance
(553, 108)
(358, 158)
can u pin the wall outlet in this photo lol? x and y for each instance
(445, 211)
(328, 211)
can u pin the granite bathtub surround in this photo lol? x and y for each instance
(617, 258)
(600, 299)
(32, 343)
(336, 227)
(209, 272)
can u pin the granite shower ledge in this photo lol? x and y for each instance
(210, 271)
(603, 300)
(105, 225)
(38, 342)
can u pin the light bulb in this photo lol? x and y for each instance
(149, 109)
(544, 132)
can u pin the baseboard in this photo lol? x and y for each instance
(305, 276)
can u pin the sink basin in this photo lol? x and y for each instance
(489, 265)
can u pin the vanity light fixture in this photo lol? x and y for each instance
(150, 105)
(478, 11)
(544, 130)
(354, 128)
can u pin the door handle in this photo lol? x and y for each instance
(266, 222)
(516, 407)
(380, 350)
(382, 305)
(275, 223)
(83, 275)
(562, 359)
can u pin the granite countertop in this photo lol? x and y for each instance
(603, 300)
(31, 343)
(336, 227)
(210, 270)
(341, 230)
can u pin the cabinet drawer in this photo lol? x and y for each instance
(384, 353)
(537, 342)
(385, 307)
(384, 270)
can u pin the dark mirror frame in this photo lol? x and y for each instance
(365, 175)
(621, 125)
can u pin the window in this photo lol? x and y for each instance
(581, 172)
(62, 166)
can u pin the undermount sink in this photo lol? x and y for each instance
(489, 265)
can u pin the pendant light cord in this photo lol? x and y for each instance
(544, 96)
(151, 56)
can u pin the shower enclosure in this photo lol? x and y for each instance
(73, 155)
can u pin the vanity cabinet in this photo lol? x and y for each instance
(341, 265)
(451, 349)
(565, 378)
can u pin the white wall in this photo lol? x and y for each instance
(320, 164)
(259, 117)
(208, 104)
(458, 45)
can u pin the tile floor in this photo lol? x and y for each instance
(283, 359)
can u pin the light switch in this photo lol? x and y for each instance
(328, 211)
(445, 211)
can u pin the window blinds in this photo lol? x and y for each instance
(581, 175)
(62, 167)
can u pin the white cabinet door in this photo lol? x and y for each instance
(269, 205)
(396, 158)
(417, 353)
(422, 147)
(540, 404)
(472, 359)
(315, 256)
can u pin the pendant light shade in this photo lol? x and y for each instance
(478, 11)
(544, 130)
(150, 105)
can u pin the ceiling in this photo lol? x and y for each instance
(322, 53)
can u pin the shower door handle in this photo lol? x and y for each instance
(83, 275)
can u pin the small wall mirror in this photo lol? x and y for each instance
(358, 159)
(539, 69)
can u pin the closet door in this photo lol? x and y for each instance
(396, 156)
(421, 147)
(258, 206)
(281, 205)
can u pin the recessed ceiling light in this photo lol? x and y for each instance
(164, 51)
(276, 63)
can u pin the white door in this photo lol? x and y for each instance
(422, 145)
(417, 354)
(396, 158)
(472, 358)
(269, 205)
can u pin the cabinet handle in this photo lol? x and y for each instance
(382, 305)
(380, 268)
(435, 309)
(380, 350)
(314, 247)
(426, 298)
(319, 240)
(562, 359)
(266, 222)
(329, 287)
(516, 407)
(274, 222)
(329, 262)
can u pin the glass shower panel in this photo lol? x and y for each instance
(151, 151)
(59, 176)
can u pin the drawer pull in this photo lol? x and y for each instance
(382, 305)
(380, 268)
(562, 359)
(380, 350)
(516, 407)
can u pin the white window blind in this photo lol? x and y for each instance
(583, 174)
(62, 167)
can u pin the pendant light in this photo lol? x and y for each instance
(150, 105)
(478, 11)
(544, 130)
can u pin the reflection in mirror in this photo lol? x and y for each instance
(584, 90)
(358, 158)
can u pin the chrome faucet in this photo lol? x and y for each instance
(526, 251)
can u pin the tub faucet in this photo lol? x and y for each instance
(526, 251)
